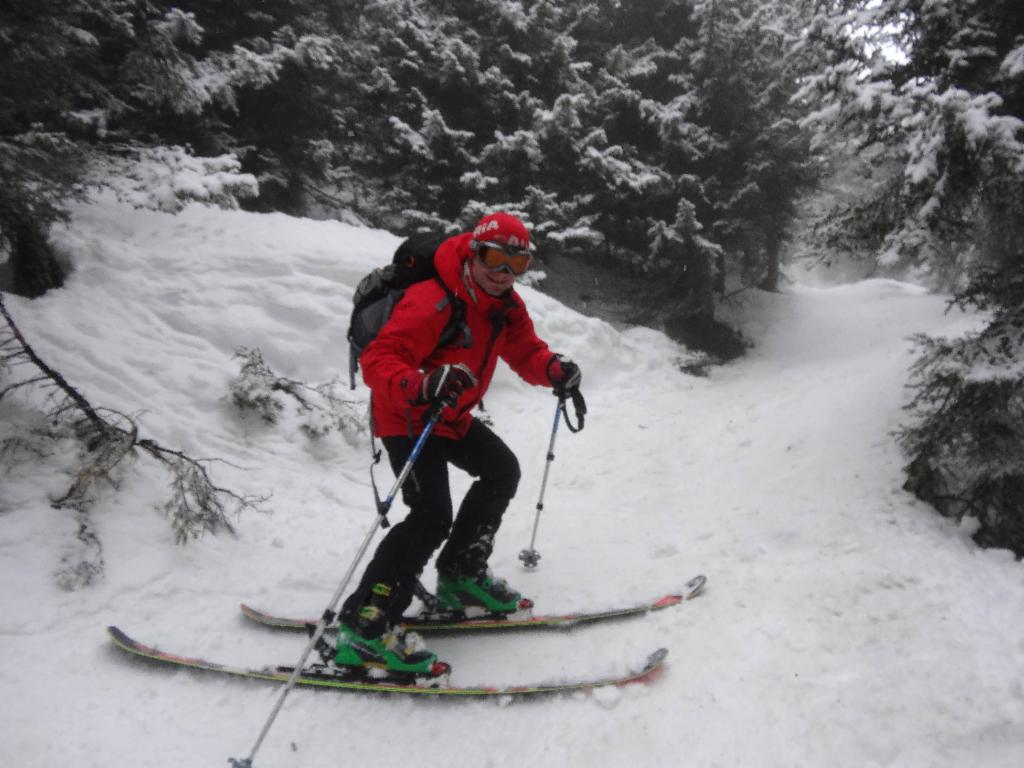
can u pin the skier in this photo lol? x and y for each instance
(408, 376)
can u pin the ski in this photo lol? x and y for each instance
(320, 676)
(454, 623)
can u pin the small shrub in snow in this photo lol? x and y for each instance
(254, 387)
(320, 409)
(329, 411)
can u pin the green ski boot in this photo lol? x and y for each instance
(484, 592)
(366, 642)
(394, 651)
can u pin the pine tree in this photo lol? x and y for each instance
(757, 163)
(701, 159)
(942, 115)
(85, 81)
(45, 68)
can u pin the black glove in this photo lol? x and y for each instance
(563, 374)
(444, 385)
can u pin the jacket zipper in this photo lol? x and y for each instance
(497, 326)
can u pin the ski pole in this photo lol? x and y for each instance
(531, 556)
(330, 613)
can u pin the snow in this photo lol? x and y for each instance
(164, 178)
(1013, 64)
(844, 623)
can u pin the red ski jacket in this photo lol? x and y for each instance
(393, 363)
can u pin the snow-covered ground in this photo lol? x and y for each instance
(844, 623)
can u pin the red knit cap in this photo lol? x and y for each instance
(501, 229)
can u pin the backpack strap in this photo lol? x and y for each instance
(456, 326)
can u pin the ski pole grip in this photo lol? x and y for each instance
(433, 413)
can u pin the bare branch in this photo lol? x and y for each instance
(18, 385)
(48, 372)
(196, 505)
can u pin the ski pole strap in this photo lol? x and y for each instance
(381, 510)
(383, 506)
(578, 404)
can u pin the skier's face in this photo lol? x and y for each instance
(494, 282)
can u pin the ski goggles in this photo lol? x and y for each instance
(499, 257)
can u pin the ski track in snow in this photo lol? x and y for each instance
(844, 623)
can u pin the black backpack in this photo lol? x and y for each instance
(378, 293)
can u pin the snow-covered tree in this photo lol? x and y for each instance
(46, 67)
(700, 158)
(84, 81)
(756, 163)
(938, 126)
(966, 441)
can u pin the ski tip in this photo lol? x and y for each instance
(656, 658)
(653, 664)
(122, 641)
(694, 586)
(118, 636)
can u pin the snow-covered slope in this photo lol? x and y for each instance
(844, 623)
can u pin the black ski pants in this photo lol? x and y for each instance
(408, 545)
